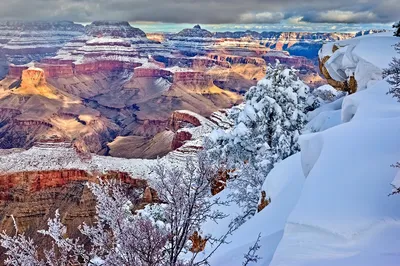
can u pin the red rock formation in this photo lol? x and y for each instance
(15, 71)
(219, 182)
(142, 72)
(57, 70)
(192, 77)
(191, 62)
(31, 123)
(179, 119)
(33, 77)
(150, 195)
(179, 139)
(40, 180)
(149, 128)
(33, 197)
(202, 62)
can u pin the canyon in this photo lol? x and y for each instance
(78, 103)
(108, 86)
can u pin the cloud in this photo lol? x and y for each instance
(338, 16)
(204, 11)
(264, 17)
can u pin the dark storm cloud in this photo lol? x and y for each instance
(204, 11)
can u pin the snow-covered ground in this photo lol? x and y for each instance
(330, 203)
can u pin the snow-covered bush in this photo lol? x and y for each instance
(266, 130)
(117, 238)
(393, 75)
(155, 236)
(186, 194)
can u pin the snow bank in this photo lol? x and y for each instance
(344, 215)
(283, 185)
(330, 203)
(327, 116)
(362, 57)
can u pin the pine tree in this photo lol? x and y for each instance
(393, 74)
(266, 130)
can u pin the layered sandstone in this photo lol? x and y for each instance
(33, 77)
(237, 59)
(32, 197)
(179, 120)
(23, 42)
(180, 138)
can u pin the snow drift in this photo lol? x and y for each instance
(330, 203)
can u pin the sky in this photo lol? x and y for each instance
(221, 15)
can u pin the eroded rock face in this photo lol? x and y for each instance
(179, 120)
(33, 197)
(347, 85)
(33, 77)
(179, 139)
(148, 72)
(192, 77)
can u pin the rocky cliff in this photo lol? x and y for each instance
(32, 197)
(22, 42)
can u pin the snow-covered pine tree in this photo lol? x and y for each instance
(266, 130)
(393, 74)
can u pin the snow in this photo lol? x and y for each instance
(330, 203)
(362, 57)
(344, 207)
(283, 185)
(56, 158)
(344, 215)
(327, 116)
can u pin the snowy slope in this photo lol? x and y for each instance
(344, 216)
(284, 186)
(330, 203)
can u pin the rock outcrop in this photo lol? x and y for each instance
(32, 197)
(113, 29)
(196, 31)
(179, 120)
(33, 77)
(180, 138)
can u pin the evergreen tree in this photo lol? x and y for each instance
(393, 75)
(266, 129)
